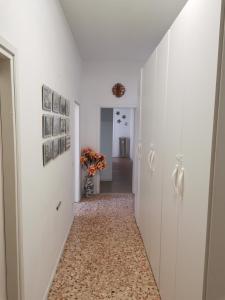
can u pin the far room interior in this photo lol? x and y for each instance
(117, 143)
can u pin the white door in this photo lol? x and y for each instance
(157, 141)
(198, 26)
(191, 98)
(173, 135)
(76, 152)
(2, 235)
(148, 90)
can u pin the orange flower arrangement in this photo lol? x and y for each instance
(92, 161)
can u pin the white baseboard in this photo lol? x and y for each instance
(57, 263)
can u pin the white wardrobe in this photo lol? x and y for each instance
(177, 116)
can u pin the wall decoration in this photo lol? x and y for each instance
(62, 106)
(117, 113)
(67, 112)
(67, 146)
(124, 116)
(126, 123)
(56, 102)
(118, 90)
(62, 144)
(56, 125)
(55, 148)
(46, 98)
(62, 125)
(47, 152)
(119, 121)
(67, 126)
(46, 126)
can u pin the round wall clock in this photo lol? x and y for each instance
(118, 90)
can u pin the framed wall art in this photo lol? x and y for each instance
(62, 125)
(46, 98)
(47, 152)
(55, 148)
(46, 126)
(62, 108)
(62, 144)
(56, 102)
(67, 108)
(67, 126)
(56, 125)
(67, 146)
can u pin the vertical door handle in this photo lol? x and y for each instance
(150, 159)
(180, 183)
(139, 151)
(175, 179)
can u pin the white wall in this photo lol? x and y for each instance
(97, 81)
(107, 141)
(47, 54)
(122, 129)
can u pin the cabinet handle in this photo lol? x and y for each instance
(180, 183)
(150, 159)
(175, 179)
(139, 151)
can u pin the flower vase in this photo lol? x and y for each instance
(88, 186)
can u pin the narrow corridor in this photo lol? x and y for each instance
(104, 256)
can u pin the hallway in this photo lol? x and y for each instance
(104, 256)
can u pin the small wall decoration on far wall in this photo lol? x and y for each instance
(46, 98)
(47, 152)
(118, 90)
(46, 126)
(56, 102)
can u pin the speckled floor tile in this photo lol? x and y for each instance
(104, 256)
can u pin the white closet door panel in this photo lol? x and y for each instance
(158, 147)
(148, 90)
(198, 25)
(172, 139)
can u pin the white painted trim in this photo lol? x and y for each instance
(45, 297)
(8, 50)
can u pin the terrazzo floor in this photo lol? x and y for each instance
(104, 256)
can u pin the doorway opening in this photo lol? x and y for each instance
(116, 143)
(10, 247)
(76, 138)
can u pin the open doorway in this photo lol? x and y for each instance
(76, 138)
(116, 143)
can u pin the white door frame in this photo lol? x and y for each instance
(11, 181)
(100, 107)
(76, 152)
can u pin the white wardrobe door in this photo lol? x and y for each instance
(195, 39)
(172, 139)
(157, 163)
(148, 91)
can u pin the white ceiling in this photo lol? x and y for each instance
(119, 29)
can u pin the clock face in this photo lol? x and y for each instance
(118, 90)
